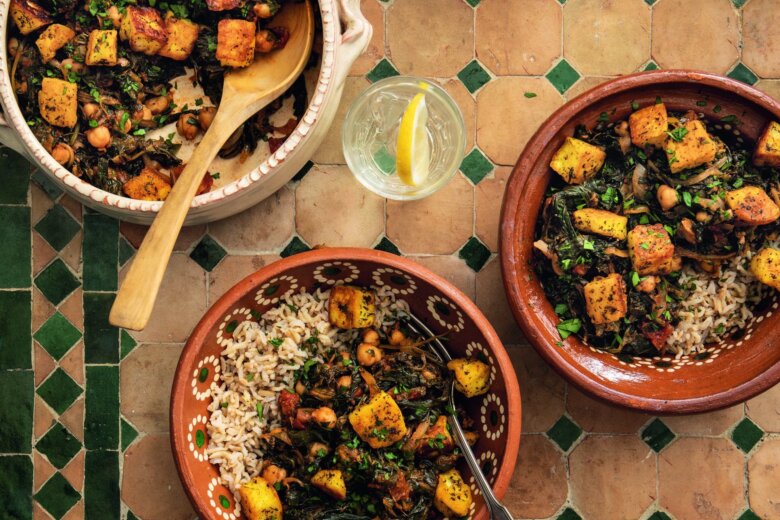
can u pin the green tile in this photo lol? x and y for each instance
(126, 251)
(59, 391)
(476, 166)
(563, 76)
(15, 332)
(473, 3)
(741, 73)
(58, 445)
(746, 435)
(208, 253)
(384, 69)
(101, 339)
(126, 343)
(16, 412)
(295, 246)
(474, 253)
(564, 433)
(57, 335)
(569, 513)
(101, 420)
(748, 515)
(47, 184)
(650, 2)
(16, 177)
(657, 435)
(100, 252)
(303, 171)
(738, 4)
(131, 516)
(659, 515)
(473, 76)
(387, 246)
(16, 481)
(15, 255)
(56, 282)
(101, 484)
(129, 434)
(651, 65)
(57, 227)
(57, 496)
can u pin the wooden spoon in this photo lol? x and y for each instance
(245, 92)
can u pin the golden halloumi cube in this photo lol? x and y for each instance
(182, 35)
(765, 266)
(143, 28)
(601, 222)
(751, 205)
(102, 48)
(260, 500)
(767, 152)
(351, 307)
(472, 377)
(147, 185)
(577, 161)
(58, 102)
(452, 496)
(605, 299)
(379, 422)
(694, 149)
(52, 39)
(649, 125)
(651, 250)
(330, 481)
(236, 42)
(29, 16)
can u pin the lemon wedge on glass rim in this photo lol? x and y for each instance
(413, 151)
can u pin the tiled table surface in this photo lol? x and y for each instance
(83, 406)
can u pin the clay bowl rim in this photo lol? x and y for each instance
(509, 251)
(217, 311)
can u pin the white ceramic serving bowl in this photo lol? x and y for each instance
(345, 35)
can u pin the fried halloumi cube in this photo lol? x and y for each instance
(182, 35)
(767, 152)
(379, 422)
(452, 496)
(52, 39)
(651, 250)
(102, 48)
(330, 481)
(58, 103)
(143, 28)
(601, 222)
(147, 185)
(351, 307)
(236, 42)
(577, 161)
(605, 299)
(649, 125)
(751, 205)
(29, 16)
(260, 500)
(472, 377)
(695, 148)
(765, 266)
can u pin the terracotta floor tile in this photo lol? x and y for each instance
(42, 470)
(73, 419)
(71, 254)
(330, 151)
(74, 207)
(145, 378)
(538, 487)
(764, 474)
(74, 471)
(492, 301)
(189, 235)
(43, 363)
(434, 38)
(42, 253)
(468, 108)
(39, 513)
(76, 512)
(761, 37)
(713, 423)
(613, 477)
(702, 479)
(710, 44)
(598, 417)
(488, 197)
(323, 199)
(452, 269)
(233, 269)
(42, 309)
(73, 363)
(43, 418)
(770, 86)
(150, 484)
(264, 227)
(41, 203)
(375, 14)
(765, 410)
(73, 308)
(584, 84)
(542, 389)
(506, 118)
(519, 37)
(439, 224)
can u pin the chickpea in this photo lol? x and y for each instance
(63, 154)
(99, 137)
(206, 117)
(647, 285)
(344, 382)
(703, 216)
(300, 388)
(262, 10)
(114, 15)
(187, 126)
(142, 114)
(123, 62)
(368, 355)
(91, 110)
(13, 46)
(158, 105)
(667, 197)
(264, 41)
(371, 337)
(318, 449)
(471, 438)
(127, 125)
(397, 337)
(69, 65)
(274, 474)
(325, 417)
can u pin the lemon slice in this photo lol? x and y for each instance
(413, 151)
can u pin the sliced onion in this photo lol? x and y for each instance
(639, 175)
(687, 253)
(636, 210)
(614, 251)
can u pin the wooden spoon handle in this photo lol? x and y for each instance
(135, 299)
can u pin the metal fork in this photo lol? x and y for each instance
(496, 509)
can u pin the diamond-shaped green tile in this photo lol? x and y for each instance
(476, 166)
(56, 281)
(651, 65)
(569, 513)
(131, 516)
(741, 73)
(303, 171)
(473, 76)
(738, 4)
(387, 246)
(474, 253)
(473, 3)
(57, 496)
(296, 245)
(563, 76)
(748, 515)
(208, 253)
(59, 390)
(57, 335)
(126, 343)
(659, 515)
(58, 445)
(384, 69)
(564, 433)
(57, 227)
(657, 435)
(128, 434)
(650, 2)
(746, 435)
(46, 184)
(126, 251)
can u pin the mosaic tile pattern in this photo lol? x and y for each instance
(83, 406)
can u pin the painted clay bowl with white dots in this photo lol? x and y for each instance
(435, 301)
(724, 374)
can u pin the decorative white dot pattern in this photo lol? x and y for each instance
(445, 313)
(204, 374)
(331, 273)
(398, 281)
(492, 415)
(274, 289)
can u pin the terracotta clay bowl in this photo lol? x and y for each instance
(435, 301)
(723, 375)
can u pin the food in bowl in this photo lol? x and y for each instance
(329, 406)
(658, 234)
(113, 88)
